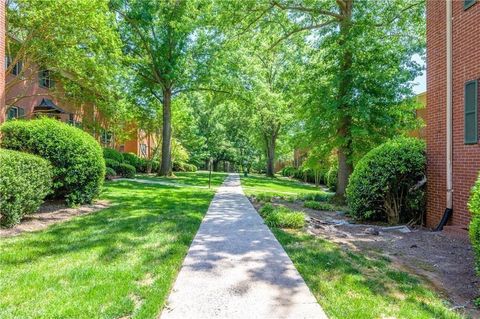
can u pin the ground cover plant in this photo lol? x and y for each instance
(281, 216)
(318, 205)
(119, 262)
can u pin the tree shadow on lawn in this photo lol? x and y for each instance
(349, 285)
(147, 230)
(266, 182)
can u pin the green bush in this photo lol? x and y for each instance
(288, 171)
(318, 197)
(110, 173)
(283, 217)
(263, 197)
(266, 210)
(111, 163)
(130, 158)
(113, 154)
(331, 177)
(25, 180)
(319, 205)
(126, 170)
(386, 184)
(78, 164)
(474, 229)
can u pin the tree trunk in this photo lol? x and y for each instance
(215, 165)
(271, 156)
(166, 167)
(345, 167)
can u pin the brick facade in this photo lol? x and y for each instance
(466, 66)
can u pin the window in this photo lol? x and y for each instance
(14, 112)
(17, 68)
(45, 79)
(468, 3)
(143, 150)
(471, 116)
(106, 137)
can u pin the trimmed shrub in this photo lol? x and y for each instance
(130, 158)
(111, 163)
(25, 180)
(78, 164)
(110, 173)
(113, 154)
(387, 182)
(331, 178)
(126, 170)
(319, 206)
(283, 217)
(474, 229)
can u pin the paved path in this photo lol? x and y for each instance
(235, 268)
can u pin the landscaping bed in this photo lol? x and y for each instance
(373, 271)
(51, 212)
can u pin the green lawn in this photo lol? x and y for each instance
(199, 178)
(256, 184)
(349, 284)
(118, 262)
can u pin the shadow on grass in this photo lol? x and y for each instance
(147, 230)
(350, 285)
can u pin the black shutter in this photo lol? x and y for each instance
(471, 116)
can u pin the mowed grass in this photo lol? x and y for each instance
(349, 284)
(199, 178)
(117, 263)
(255, 184)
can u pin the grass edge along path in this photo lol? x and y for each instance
(348, 284)
(119, 262)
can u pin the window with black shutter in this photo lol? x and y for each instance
(471, 116)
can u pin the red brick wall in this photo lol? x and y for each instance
(466, 66)
(2, 64)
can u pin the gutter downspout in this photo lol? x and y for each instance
(449, 207)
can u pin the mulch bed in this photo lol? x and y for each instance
(51, 212)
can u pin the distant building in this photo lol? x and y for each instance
(453, 73)
(35, 91)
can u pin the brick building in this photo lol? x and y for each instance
(453, 73)
(27, 91)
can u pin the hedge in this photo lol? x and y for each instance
(126, 170)
(474, 229)
(111, 163)
(76, 157)
(113, 154)
(25, 180)
(130, 158)
(110, 173)
(386, 184)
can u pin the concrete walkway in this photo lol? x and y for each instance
(236, 268)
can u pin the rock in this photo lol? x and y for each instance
(371, 231)
(414, 246)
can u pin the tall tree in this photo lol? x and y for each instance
(359, 70)
(167, 43)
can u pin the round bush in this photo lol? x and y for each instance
(126, 170)
(130, 158)
(76, 157)
(25, 180)
(113, 154)
(474, 229)
(111, 163)
(387, 182)
(110, 173)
